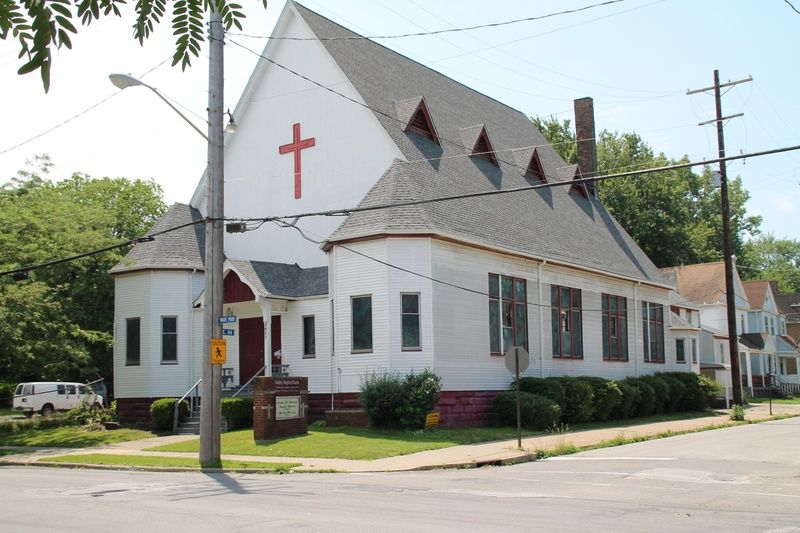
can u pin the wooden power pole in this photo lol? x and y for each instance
(727, 247)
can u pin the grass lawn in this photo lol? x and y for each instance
(788, 401)
(6, 411)
(349, 443)
(69, 437)
(368, 443)
(184, 462)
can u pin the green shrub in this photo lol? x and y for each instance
(607, 397)
(647, 397)
(420, 395)
(238, 412)
(7, 394)
(548, 387)
(737, 412)
(390, 401)
(629, 402)
(381, 395)
(536, 412)
(700, 390)
(83, 414)
(112, 409)
(661, 390)
(676, 392)
(162, 413)
(579, 400)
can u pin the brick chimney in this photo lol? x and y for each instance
(587, 147)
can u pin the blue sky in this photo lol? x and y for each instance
(636, 58)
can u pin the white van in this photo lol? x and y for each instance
(46, 397)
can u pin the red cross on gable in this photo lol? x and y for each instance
(295, 146)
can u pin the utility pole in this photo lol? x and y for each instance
(727, 247)
(211, 389)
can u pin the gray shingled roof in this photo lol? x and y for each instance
(183, 248)
(281, 279)
(549, 223)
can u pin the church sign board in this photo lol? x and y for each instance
(280, 407)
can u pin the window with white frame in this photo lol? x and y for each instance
(680, 350)
(309, 337)
(409, 321)
(169, 340)
(361, 322)
(132, 341)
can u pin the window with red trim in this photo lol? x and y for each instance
(566, 322)
(653, 332)
(615, 328)
(508, 313)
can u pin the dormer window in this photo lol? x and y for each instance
(483, 149)
(535, 170)
(417, 118)
(580, 187)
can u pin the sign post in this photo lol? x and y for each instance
(517, 360)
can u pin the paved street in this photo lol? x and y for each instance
(745, 478)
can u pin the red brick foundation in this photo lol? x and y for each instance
(134, 410)
(457, 408)
(465, 408)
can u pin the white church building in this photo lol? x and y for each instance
(447, 285)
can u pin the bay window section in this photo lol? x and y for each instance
(508, 313)
(566, 322)
(615, 328)
(653, 332)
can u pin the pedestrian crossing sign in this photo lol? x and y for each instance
(218, 352)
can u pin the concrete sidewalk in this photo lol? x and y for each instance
(490, 453)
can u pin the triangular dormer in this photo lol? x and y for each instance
(535, 169)
(579, 187)
(415, 116)
(483, 148)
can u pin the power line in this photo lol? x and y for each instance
(676, 166)
(281, 220)
(79, 114)
(148, 238)
(793, 8)
(434, 32)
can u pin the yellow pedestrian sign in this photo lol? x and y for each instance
(218, 352)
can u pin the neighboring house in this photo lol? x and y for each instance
(779, 356)
(790, 307)
(448, 286)
(685, 327)
(704, 285)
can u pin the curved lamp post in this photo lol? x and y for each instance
(211, 388)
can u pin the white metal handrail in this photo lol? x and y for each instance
(254, 376)
(193, 402)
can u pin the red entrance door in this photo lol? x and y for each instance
(251, 348)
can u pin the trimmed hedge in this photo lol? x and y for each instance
(548, 387)
(629, 401)
(536, 412)
(661, 389)
(676, 392)
(579, 400)
(420, 395)
(238, 412)
(607, 397)
(162, 413)
(647, 397)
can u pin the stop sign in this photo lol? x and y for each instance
(514, 354)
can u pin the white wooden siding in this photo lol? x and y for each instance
(150, 295)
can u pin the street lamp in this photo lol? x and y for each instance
(123, 81)
(211, 388)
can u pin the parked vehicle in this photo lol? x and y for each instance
(47, 397)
